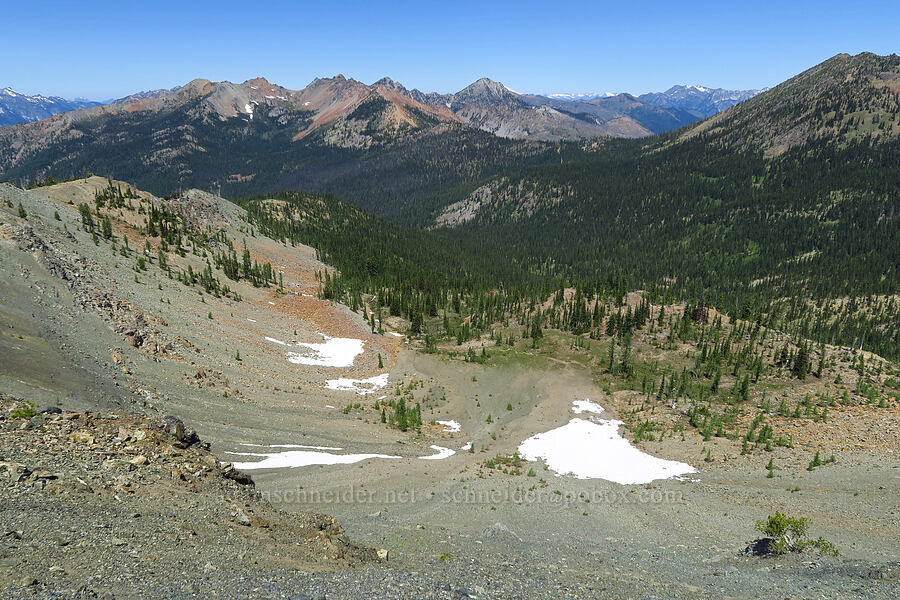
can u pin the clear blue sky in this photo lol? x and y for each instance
(101, 49)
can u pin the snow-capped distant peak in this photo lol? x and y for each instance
(699, 88)
(509, 89)
(22, 108)
(580, 97)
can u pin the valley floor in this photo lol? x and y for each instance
(84, 331)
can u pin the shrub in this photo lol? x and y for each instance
(26, 411)
(815, 462)
(788, 534)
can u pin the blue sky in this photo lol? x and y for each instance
(102, 49)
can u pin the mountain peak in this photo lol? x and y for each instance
(258, 81)
(386, 82)
(391, 85)
(485, 91)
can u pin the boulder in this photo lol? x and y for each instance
(82, 437)
(176, 428)
(14, 472)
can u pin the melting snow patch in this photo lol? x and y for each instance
(251, 320)
(466, 446)
(441, 453)
(360, 386)
(580, 406)
(333, 352)
(595, 450)
(395, 334)
(450, 426)
(292, 446)
(300, 458)
(272, 303)
(249, 110)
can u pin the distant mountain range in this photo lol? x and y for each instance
(579, 97)
(368, 143)
(493, 107)
(21, 108)
(487, 105)
(700, 101)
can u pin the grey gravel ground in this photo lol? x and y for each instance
(70, 320)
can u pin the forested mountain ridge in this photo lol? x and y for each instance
(362, 142)
(175, 129)
(713, 211)
(844, 104)
(844, 98)
(708, 213)
(366, 143)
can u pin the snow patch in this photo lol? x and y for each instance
(450, 426)
(300, 458)
(593, 449)
(466, 446)
(395, 334)
(442, 453)
(333, 352)
(580, 406)
(251, 320)
(291, 446)
(360, 386)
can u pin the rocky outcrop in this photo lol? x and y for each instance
(125, 496)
